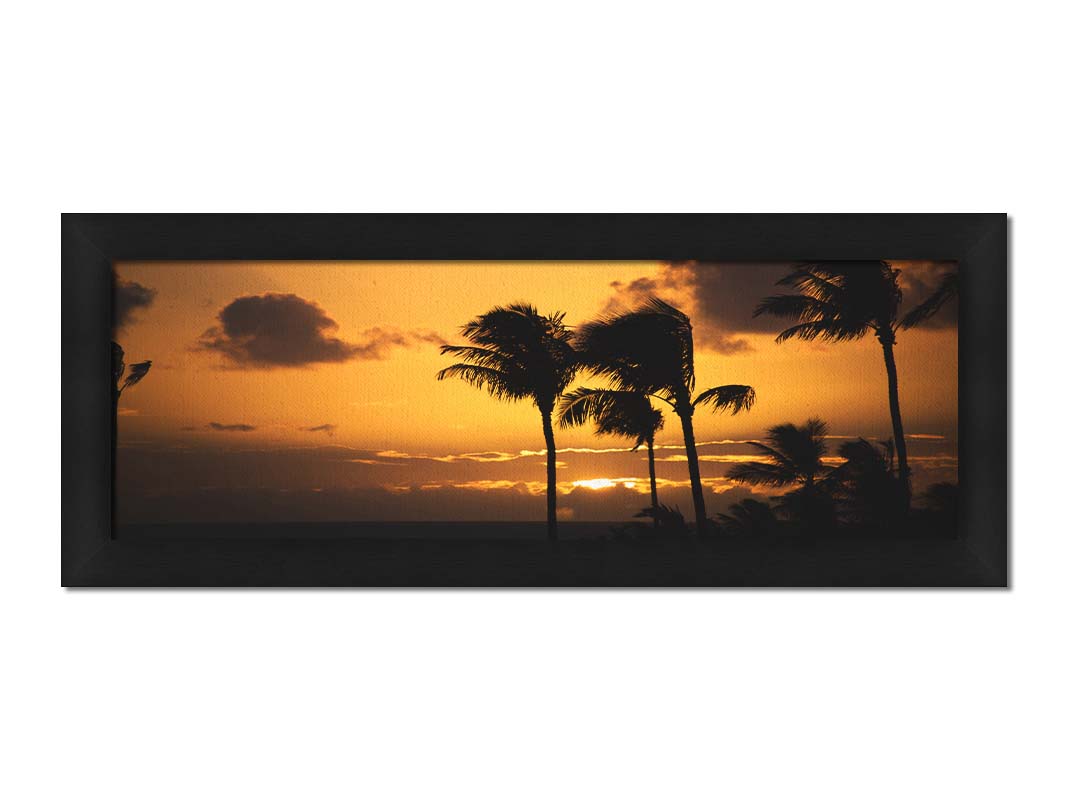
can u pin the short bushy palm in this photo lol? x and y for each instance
(865, 484)
(615, 413)
(792, 455)
(748, 518)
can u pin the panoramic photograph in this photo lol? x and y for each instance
(768, 404)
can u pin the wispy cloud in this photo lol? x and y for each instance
(500, 456)
(636, 484)
(718, 458)
(236, 427)
(327, 428)
(485, 457)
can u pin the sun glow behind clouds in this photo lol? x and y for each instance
(606, 483)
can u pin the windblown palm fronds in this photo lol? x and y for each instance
(617, 413)
(516, 354)
(844, 301)
(118, 369)
(649, 351)
(793, 456)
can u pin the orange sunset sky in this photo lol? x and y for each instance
(333, 411)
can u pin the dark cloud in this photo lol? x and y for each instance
(283, 330)
(918, 280)
(721, 296)
(239, 427)
(129, 297)
(327, 428)
(727, 293)
(275, 330)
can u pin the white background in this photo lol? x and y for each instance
(461, 106)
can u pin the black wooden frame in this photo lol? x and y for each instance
(92, 242)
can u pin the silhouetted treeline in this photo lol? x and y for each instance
(864, 491)
(647, 354)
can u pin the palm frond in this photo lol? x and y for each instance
(733, 398)
(481, 356)
(137, 372)
(756, 473)
(836, 301)
(516, 353)
(647, 350)
(655, 305)
(805, 444)
(815, 280)
(948, 288)
(794, 455)
(616, 413)
(516, 324)
(793, 306)
(773, 455)
(816, 427)
(498, 383)
(861, 450)
(579, 406)
(831, 330)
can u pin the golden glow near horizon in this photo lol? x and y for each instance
(382, 403)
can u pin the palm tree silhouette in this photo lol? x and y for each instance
(650, 351)
(518, 354)
(118, 369)
(615, 413)
(749, 518)
(136, 374)
(843, 301)
(793, 457)
(866, 485)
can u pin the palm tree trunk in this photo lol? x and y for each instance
(898, 425)
(652, 482)
(550, 461)
(694, 469)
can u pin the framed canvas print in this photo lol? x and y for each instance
(535, 400)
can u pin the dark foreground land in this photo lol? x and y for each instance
(516, 555)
